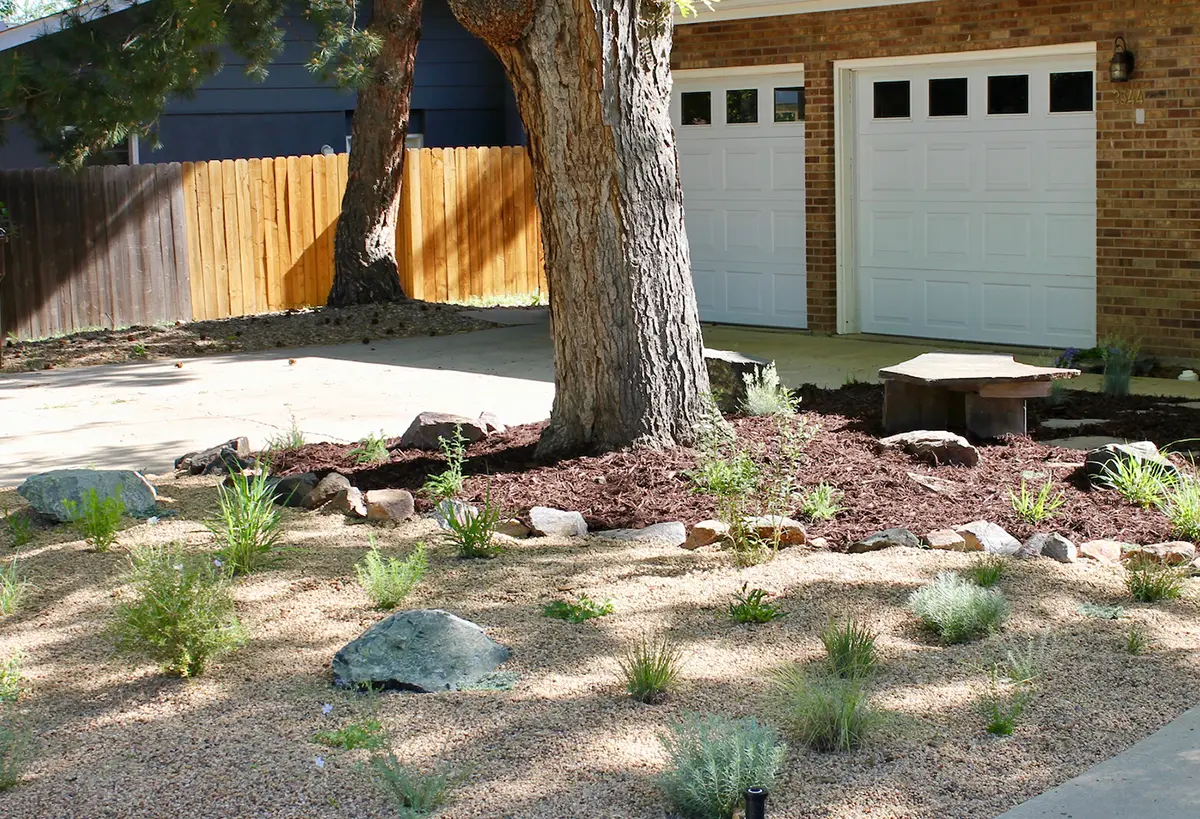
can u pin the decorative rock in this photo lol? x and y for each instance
(1171, 553)
(706, 532)
(491, 423)
(818, 543)
(982, 536)
(428, 428)
(221, 459)
(946, 540)
(673, 533)
(389, 504)
(348, 501)
(1053, 546)
(50, 492)
(293, 490)
(934, 484)
(462, 511)
(1104, 551)
(1104, 458)
(727, 371)
(938, 446)
(556, 523)
(422, 650)
(768, 527)
(513, 528)
(887, 539)
(325, 489)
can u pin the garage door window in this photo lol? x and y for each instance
(1071, 92)
(741, 106)
(948, 97)
(789, 104)
(697, 107)
(892, 100)
(1008, 94)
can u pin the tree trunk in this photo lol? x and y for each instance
(592, 80)
(364, 252)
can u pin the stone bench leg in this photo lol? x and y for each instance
(993, 417)
(908, 406)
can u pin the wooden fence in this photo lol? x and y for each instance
(136, 245)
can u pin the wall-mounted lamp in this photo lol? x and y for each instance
(1121, 67)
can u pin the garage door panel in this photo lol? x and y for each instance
(1008, 167)
(707, 289)
(1007, 307)
(744, 232)
(700, 227)
(1069, 310)
(948, 167)
(788, 232)
(948, 238)
(948, 304)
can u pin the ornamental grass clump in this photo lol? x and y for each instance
(249, 525)
(1003, 702)
(824, 711)
(12, 588)
(849, 649)
(957, 610)
(16, 748)
(714, 760)
(20, 528)
(987, 571)
(1141, 481)
(1036, 507)
(178, 611)
(1181, 505)
(473, 531)
(651, 669)
(1150, 582)
(388, 580)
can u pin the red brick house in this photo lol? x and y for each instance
(955, 169)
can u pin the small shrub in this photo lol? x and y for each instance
(1142, 482)
(20, 528)
(1035, 508)
(651, 669)
(825, 712)
(1119, 356)
(722, 477)
(12, 588)
(850, 650)
(370, 450)
(16, 749)
(1101, 611)
(1150, 582)
(1003, 703)
(97, 519)
(714, 760)
(138, 351)
(388, 580)
(1136, 640)
(1181, 505)
(987, 571)
(448, 484)
(12, 686)
(1025, 665)
(474, 532)
(822, 502)
(765, 395)
(366, 734)
(956, 609)
(751, 606)
(250, 525)
(288, 440)
(413, 793)
(181, 614)
(585, 608)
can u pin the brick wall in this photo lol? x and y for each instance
(1148, 176)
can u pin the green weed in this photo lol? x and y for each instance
(987, 571)
(585, 608)
(751, 606)
(98, 519)
(20, 528)
(370, 450)
(16, 749)
(388, 580)
(1137, 640)
(365, 734)
(12, 588)
(449, 483)
(821, 502)
(249, 525)
(288, 440)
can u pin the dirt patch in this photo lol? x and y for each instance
(294, 328)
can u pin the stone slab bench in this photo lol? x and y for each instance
(983, 393)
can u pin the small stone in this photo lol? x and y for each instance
(887, 539)
(934, 484)
(549, 522)
(1171, 553)
(818, 543)
(982, 536)
(937, 446)
(293, 490)
(673, 533)
(491, 423)
(706, 532)
(56, 494)
(325, 489)
(1053, 546)
(394, 505)
(768, 527)
(348, 501)
(513, 528)
(1104, 459)
(946, 540)
(428, 428)
(1104, 551)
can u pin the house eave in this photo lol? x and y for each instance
(748, 9)
(28, 32)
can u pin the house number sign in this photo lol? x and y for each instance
(1129, 97)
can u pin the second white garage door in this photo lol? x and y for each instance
(975, 216)
(741, 159)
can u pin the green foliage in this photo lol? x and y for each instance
(12, 588)
(365, 734)
(1181, 505)
(585, 608)
(825, 712)
(850, 650)
(288, 440)
(138, 351)
(180, 615)
(651, 668)
(714, 760)
(16, 749)
(1025, 665)
(1140, 481)
(1002, 703)
(1150, 582)
(388, 580)
(1137, 640)
(12, 686)
(1035, 508)
(370, 450)
(1101, 611)
(986, 571)
(473, 531)
(20, 528)
(821, 502)
(448, 484)
(98, 519)
(413, 793)
(249, 525)
(957, 610)
(751, 606)
(1119, 356)
(724, 476)
(765, 395)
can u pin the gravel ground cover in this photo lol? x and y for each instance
(119, 740)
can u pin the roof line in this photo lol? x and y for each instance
(94, 10)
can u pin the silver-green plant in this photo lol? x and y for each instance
(820, 502)
(12, 588)
(957, 610)
(824, 711)
(766, 395)
(1034, 508)
(850, 649)
(179, 613)
(714, 760)
(448, 483)
(97, 519)
(249, 525)
(651, 668)
(388, 580)
(413, 793)
(12, 684)
(370, 450)
(16, 749)
(1181, 505)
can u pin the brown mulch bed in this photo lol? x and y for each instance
(293, 328)
(633, 488)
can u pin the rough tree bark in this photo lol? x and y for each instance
(592, 81)
(365, 243)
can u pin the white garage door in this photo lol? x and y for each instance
(976, 200)
(741, 159)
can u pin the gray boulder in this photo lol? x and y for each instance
(462, 511)
(51, 493)
(983, 536)
(428, 428)
(673, 533)
(1053, 546)
(556, 523)
(887, 539)
(1104, 459)
(937, 446)
(727, 371)
(421, 650)
(231, 456)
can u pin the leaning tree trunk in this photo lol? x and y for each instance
(592, 81)
(365, 243)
